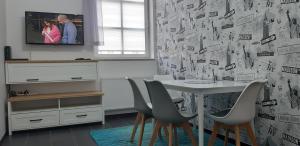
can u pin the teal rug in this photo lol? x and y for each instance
(120, 137)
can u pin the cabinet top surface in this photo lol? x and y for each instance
(48, 61)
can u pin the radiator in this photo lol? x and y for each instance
(118, 96)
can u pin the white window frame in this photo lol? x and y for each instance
(149, 40)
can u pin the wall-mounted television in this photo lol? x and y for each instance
(54, 28)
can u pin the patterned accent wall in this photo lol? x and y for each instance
(238, 39)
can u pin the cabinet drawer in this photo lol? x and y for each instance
(28, 73)
(35, 120)
(77, 72)
(81, 115)
(50, 72)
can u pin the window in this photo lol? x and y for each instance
(125, 34)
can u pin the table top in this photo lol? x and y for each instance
(205, 86)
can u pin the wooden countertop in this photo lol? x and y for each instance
(49, 61)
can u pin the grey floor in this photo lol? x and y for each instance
(76, 135)
(64, 136)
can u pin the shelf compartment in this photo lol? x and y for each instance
(38, 105)
(78, 102)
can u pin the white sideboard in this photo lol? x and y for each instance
(52, 109)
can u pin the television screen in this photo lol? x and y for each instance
(54, 28)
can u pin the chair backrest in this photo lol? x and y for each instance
(163, 77)
(139, 102)
(172, 93)
(244, 108)
(163, 108)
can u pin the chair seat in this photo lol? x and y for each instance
(222, 113)
(187, 115)
(177, 100)
(220, 116)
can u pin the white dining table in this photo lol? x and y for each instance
(201, 88)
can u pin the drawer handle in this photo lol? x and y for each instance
(36, 121)
(81, 116)
(32, 80)
(76, 78)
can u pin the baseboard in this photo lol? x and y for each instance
(119, 111)
(121, 115)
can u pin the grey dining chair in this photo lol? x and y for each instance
(144, 112)
(239, 116)
(166, 113)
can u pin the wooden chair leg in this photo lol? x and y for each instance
(213, 136)
(251, 134)
(159, 132)
(175, 137)
(170, 128)
(136, 124)
(155, 133)
(237, 135)
(142, 129)
(153, 121)
(226, 137)
(186, 126)
(166, 131)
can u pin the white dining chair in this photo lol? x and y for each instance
(239, 116)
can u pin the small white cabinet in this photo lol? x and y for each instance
(52, 109)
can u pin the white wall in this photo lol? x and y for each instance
(137, 69)
(2, 77)
(16, 30)
(16, 38)
(117, 91)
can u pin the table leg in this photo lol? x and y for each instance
(201, 119)
(194, 109)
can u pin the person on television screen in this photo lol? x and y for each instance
(51, 33)
(70, 30)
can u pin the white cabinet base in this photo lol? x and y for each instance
(36, 119)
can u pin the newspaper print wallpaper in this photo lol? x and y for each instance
(238, 39)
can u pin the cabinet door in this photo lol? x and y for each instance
(50, 72)
(80, 72)
(31, 73)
